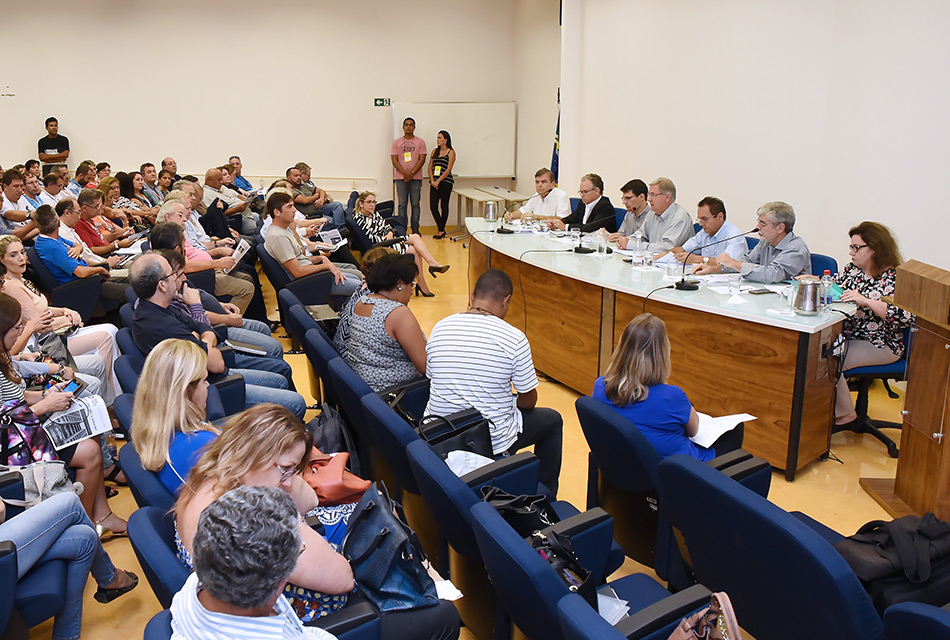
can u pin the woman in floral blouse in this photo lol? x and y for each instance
(876, 330)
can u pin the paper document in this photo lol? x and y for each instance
(711, 428)
(669, 258)
(239, 252)
(84, 418)
(133, 250)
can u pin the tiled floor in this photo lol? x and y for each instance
(828, 491)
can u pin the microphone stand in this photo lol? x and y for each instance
(502, 228)
(692, 285)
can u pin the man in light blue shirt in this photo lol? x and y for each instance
(708, 241)
(670, 225)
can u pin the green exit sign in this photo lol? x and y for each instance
(380, 102)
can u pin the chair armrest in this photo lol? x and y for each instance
(228, 354)
(8, 578)
(591, 535)
(348, 618)
(312, 289)
(81, 295)
(729, 459)
(517, 474)
(11, 486)
(660, 614)
(754, 474)
(232, 392)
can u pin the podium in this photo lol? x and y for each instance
(922, 482)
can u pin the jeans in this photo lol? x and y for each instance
(266, 386)
(265, 364)
(256, 332)
(406, 192)
(542, 428)
(340, 293)
(59, 529)
(335, 215)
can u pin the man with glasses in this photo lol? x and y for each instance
(708, 241)
(780, 255)
(156, 285)
(90, 206)
(68, 211)
(638, 210)
(593, 212)
(670, 225)
(548, 203)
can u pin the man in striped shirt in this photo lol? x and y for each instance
(473, 360)
(245, 548)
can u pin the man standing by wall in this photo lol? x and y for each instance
(53, 148)
(408, 155)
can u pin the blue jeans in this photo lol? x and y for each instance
(266, 386)
(59, 529)
(406, 192)
(265, 364)
(340, 293)
(252, 334)
(335, 215)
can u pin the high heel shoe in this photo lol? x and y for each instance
(435, 271)
(419, 291)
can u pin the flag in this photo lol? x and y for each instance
(557, 139)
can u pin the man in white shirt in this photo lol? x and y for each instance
(634, 198)
(184, 191)
(549, 202)
(14, 218)
(244, 550)
(473, 360)
(52, 191)
(30, 200)
(709, 240)
(68, 211)
(670, 225)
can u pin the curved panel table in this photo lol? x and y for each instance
(729, 358)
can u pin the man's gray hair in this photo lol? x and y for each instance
(181, 183)
(247, 543)
(145, 273)
(175, 194)
(665, 185)
(169, 207)
(778, 212)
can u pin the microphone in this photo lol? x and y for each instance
(504, 217)
(692, 285)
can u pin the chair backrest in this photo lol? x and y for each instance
(319, 351)
(527, 587)
(764, 558)
(128, 368)
(385, 208)
(916, 621)
(297, 323)
(46, 281)
(159, 627)
(203, 280)
(130, 295)
(751, 242)
(152, 534)
(358, 237)
(620, 213)
(147, 489)
(351, 201)
(574, 203)
(122, 405)
(623, 454)
(696, 227)
(350, 389)
(579, 621)
(126, 313)
(391, 435)
(820, 263)
(272, 269)
(127, 346)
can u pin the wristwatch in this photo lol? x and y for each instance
(705, 259)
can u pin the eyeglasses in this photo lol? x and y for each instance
(625, 198)
(584, 192)
(369, 202)
(173, 274)
(854, 248)
(286, 472)
(656, 195)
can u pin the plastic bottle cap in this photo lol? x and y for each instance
(827, 272)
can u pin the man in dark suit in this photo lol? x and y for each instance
(594, 210)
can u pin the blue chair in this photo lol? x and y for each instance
(122, 405)
(159, 627)
(579, 621)
(765, 558)
(529, 589)
(915, 621)
(751, 242)
(152, 534)
(696, 227)
(82, 295)
(128, 367)
(312, 289)
(896, 370)
(320, 351)
(37, 596)
(147, 489)
(300, 323)
(574, 203)
(620, 213)
(821, 263)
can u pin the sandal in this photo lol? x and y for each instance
(440, 235)
(104, 595)
(113, 475)
(105, 533)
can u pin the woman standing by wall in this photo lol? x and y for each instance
(441, 180)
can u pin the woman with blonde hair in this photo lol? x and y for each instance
(635, 386)
(267, 446)
(168, 417)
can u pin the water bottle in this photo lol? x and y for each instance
(111, 446)
(638, 250)
(827, 290)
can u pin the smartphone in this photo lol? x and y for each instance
(758, 292)
(73, 386)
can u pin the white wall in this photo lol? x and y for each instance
(157, 79)
(838, 107)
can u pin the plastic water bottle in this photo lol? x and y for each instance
(827, 290)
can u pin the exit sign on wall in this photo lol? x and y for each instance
(380, 102)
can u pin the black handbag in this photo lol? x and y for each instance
(525, 513)
(557, 549)
(385, 555)
(462, 431)
(332, 435)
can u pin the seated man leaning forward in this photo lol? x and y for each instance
(154, 320)
(593, 212)
(714, 237)
(780, 255)
(245, 549)
(286, 247)
(474, 358)
(548, 203)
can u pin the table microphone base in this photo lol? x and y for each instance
(687, 285)
(583, 250)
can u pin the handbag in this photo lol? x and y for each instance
(385, 555)
(907, 559)
(26, 441)
(525, 513)
(41, 480)
(331, 434)
(462, 431)
(331, 480)
(557, 549)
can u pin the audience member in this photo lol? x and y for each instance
(311, 200)
(379, 232)
(474, 358)
(593, 212)
(84, 174)
(779, 256)
(30, 200)
(133, 188)
(150, 184)
(103, 242)
(548, 203)
(69, 216)
(239, 180)
(670, 225)
(165, 180)
(635, 386)
(53, 190)
(14, 219)
(634, 196)
(234, 205)
(714, 236)
(53, 148)
(169, 165)
(408, 154)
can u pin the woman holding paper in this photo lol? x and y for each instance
(635, 386)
